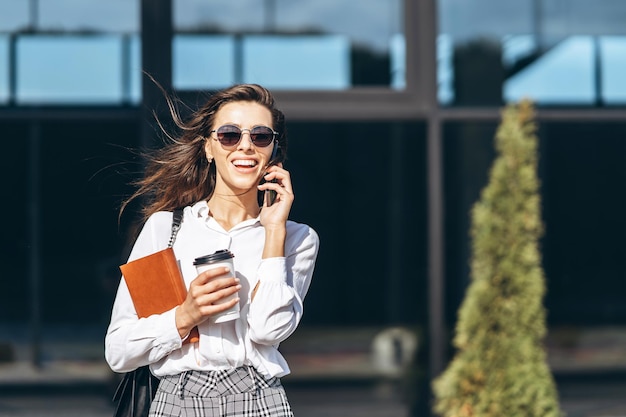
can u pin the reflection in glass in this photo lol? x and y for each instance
(121, 16)
(313, 44)
(564, 74)
(4, 69)
(445, 72)
(613, 58)
(69, 52)
(305, 45)
(90, 15)
(15, 16)
(297, 62)
(69, 69)
(552, 51)
(398, 59)
(203, 62)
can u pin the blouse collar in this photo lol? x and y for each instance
(200, 210)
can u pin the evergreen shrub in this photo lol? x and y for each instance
(499, 368)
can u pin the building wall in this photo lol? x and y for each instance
(359, 151)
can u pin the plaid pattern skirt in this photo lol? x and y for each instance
(239, 392)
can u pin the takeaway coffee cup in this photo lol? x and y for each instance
(220, 258)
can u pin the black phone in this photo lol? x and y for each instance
(270, 195)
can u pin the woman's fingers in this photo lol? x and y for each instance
(210, 274)
(278, 178)
(207, 293)
(216, 295)
(210, 308)
(205, 300)
(279, 181)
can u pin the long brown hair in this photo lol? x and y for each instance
(179, 174)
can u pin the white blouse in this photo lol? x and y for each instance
(252, 339)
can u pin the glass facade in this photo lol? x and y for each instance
(87, 164)
(386, 161)
(63, 52)
(76, 69)
(555, 52)
(55, 16)
(5, 75)
(92, 54)
(279, 62)
(308, 45)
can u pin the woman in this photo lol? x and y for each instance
(216, 170)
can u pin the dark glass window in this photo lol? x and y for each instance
(361, 186)
(584, 172)
(81, 178)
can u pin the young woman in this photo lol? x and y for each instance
(229, 151)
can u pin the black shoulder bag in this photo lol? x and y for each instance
(137, 388)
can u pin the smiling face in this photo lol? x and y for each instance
(239, 168)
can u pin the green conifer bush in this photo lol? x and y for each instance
(499, 368)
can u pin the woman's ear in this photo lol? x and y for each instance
(207, 151)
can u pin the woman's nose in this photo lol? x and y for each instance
(246, 140)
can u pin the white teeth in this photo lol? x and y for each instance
(244, 162)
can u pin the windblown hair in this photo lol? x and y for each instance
(179, 174)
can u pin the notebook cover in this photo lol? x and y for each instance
(156, 285)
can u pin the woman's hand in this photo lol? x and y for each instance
(279, 181)
(203, 298)
(274, 217)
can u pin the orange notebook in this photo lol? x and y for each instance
(156, 285)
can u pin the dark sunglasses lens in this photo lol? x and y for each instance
(228, 135)
(261, 136)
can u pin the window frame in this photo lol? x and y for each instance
(363, 103)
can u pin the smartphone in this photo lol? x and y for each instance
(270, 195)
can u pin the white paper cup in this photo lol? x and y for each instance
(221, 258)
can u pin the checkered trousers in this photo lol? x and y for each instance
(240, 392)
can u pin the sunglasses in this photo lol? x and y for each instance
(230, 135)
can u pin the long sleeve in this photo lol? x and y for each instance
(131, 342)
(283, 283)
(251, 339)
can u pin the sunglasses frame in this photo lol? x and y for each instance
(274, 134)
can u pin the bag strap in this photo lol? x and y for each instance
(177, 219)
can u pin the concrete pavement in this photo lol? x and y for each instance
(333, 376)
